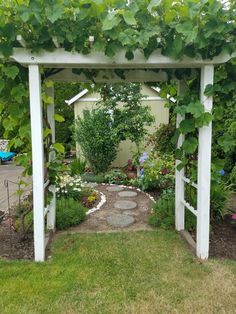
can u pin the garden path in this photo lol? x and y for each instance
(124, 210)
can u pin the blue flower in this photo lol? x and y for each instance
(141, 171)
(222, 172)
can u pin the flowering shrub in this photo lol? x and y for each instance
(74, 188)
(156, 171)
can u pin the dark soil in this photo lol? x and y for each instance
(223, 240)
(10, 245)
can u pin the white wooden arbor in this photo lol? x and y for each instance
(68, 60)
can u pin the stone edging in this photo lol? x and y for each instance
(103, 196)
(100, 204)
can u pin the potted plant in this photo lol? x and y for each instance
(131, 171)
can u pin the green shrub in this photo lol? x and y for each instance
(97, 139)
(220, 194)
(77, 167)
(93, 178)
(69, 213)
(116, 176)
(162, 138)
(163, 214)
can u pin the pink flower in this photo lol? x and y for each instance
(233, 216)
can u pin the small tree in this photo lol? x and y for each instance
(97, 138)
(131, 119)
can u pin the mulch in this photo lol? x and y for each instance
(223, 240)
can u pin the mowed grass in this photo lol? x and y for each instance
(135, 272)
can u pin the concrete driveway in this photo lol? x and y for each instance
(12, 173)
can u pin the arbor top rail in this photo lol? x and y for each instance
(60, 58)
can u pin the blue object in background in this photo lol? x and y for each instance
(6, 156)
(222, 172)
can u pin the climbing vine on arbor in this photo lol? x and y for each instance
(197, 29)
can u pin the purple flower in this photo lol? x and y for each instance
(141, 160)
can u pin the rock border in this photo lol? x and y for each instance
(100, 204)
(103, 196)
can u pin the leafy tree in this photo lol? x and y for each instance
(130, 116)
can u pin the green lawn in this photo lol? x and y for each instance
(136, 272)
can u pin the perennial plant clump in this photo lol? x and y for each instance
(156, 172)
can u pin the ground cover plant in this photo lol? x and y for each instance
(118, 273)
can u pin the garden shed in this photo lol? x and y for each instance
(88, 100)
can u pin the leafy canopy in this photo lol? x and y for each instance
(182, 27)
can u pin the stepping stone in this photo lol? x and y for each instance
(114, 188)
(125, 204)
(119, 220)
(127, 194)
(130, 212)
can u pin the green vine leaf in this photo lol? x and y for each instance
(187, 126)
(190, 145)
(58, 118)
(209, 90)
(59, 148)
(227, 142)
(203, 120)
(11, 71)
(195, 108)
(129, 18)
(55, 12)
(189, 30)
(110, 21)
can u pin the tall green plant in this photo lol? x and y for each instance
(132, 117)
(97, 138)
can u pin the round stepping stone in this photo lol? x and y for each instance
(127, 194)
(123, 204)
(119, 220)
(114, 188)
(130, 212)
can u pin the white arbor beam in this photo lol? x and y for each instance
(204, 169)
(51, 215)
(179, 175)
(95, 60)
(38, 161)
(104, 76)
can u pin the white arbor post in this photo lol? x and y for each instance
(38, 161)
(51, 215)
(204, 169)
(179, 175)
